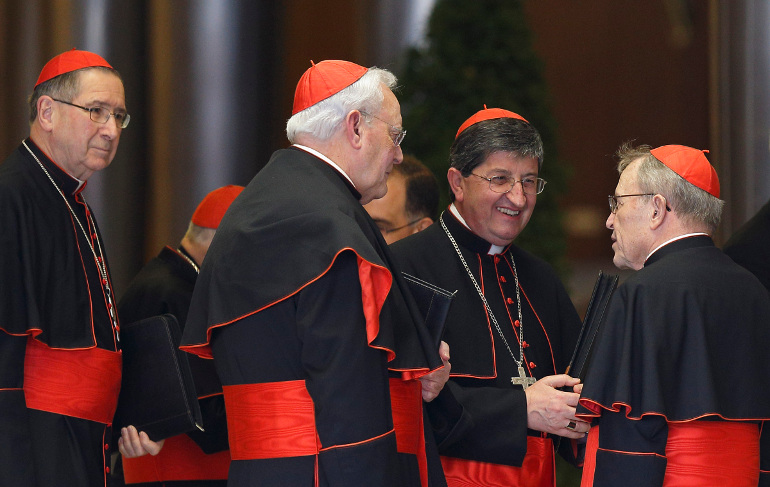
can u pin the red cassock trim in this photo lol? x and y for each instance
(375, 286)
(277, 420)
(719, 453)
(179, 459)
(537, 470)
(79, 383)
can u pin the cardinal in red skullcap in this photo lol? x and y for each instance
(318, 343)
(165, 285)
(60, 334)
(670, 388)
(512, 326)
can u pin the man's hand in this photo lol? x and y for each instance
(134, 444)
(433, 383)
(553, 411)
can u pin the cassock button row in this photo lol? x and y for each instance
(532, 365)
(509, 301)
(497, 259)
(502, 279)
(106, 469)
(525, 344)
(516, 323)
(106, 446)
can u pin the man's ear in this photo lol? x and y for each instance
(455, 179)
(45, 112)
(421, 225)
(659, 212)
(353, 129)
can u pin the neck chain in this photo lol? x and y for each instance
(98, 258)
(181, 252)
(522, 380)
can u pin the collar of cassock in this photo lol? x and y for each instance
(679, 243)
(465, 236)
(68, 184)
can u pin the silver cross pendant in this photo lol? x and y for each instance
(522, 380)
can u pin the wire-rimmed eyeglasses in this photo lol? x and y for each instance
(101, 114)
(613, 200)
(503, 184)
(397, 134)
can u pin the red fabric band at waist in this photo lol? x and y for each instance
(272, 420)
(277, 420)
(537, 470)
(79, 383)
(179, 459)
(723, 453)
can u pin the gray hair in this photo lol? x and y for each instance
(200, 235)
(325, 118)
(690, 202)
(479, 141)
(65, 87)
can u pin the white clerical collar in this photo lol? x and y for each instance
(326, 160)
(493, 249)
(680, 237)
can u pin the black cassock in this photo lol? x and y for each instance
(50, 289)
(685, 339)
(491, 423)
(165, 285)
(296, 292)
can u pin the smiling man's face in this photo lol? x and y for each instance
(497, 218)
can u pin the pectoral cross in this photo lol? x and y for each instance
(522, 379)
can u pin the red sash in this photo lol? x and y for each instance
(179, 459)
(277, 420)
(699, 453)
(537, 470)
(79, 383)
(719, 453)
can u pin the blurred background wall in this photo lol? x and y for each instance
(209, 85)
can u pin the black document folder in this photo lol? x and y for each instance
(433, 303)
(594, 318)
(157, 393)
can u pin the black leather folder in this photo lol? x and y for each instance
(433, 303)
(157, 393)
(595, 314)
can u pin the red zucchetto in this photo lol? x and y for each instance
(323, 80)
(214, 205)
(488, 114)
(70, 61)
(691, 164)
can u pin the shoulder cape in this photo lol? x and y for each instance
(285, 231)
(50, 287)
(685, 338)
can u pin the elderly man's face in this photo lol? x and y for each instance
(631, 234)
(80, 145)
(380, 152)
(497, 218)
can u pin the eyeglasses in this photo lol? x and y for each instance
(613, 199)
(397, 133)
(101, 114)
(503, 184)
(386, 231)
